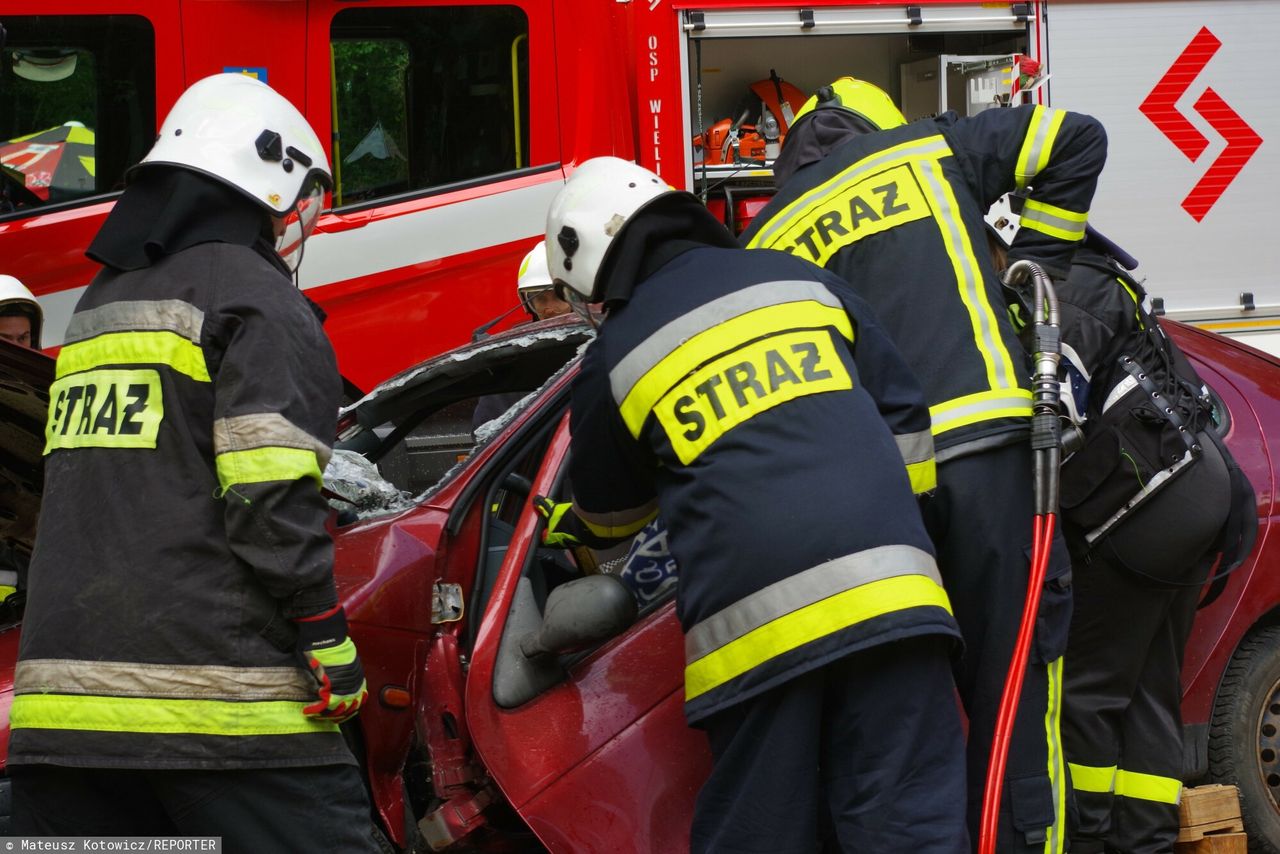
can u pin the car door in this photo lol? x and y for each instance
(602, 758)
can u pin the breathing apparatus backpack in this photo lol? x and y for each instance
(1132, 487)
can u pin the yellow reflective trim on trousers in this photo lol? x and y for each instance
(135, 348)
(1056, 834)
(162, 716)
(710, 343)
(924, 476)
(1148, 787)
(1053, 220)
(983, 406)
(1093, 778)
(968, 275)
(807, 624)
(260, 465)
(1037, 145)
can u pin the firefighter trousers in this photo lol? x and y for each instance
(1122, 708)
(871, 744)
(254, 811)
(980, 520)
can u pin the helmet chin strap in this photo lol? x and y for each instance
(579, 306)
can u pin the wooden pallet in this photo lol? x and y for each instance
(1210, 823)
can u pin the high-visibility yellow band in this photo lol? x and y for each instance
(705, 346)
(135, 348)
(619, 531)
(1037, 145)
(155, 716)
(808, 624)
(260, 465)
(924, 476)
(1148, 787)
(1053, 220)
(1093, 778)
(1055, 841)
(983, 406)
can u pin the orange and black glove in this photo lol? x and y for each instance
(335, 664)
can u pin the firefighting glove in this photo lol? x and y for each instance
(335, 664)
(555, 514)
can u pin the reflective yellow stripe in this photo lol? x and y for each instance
(810, 623)
(1037, 145)
(712, 342)
(1056, 833)
(259, 465)
(105, 409)
(1148, 787)
(1093, 778)
(614, 532)
(924, 476)
(968, 274)
(135, 348)
(773, 232)
(153, 716)
(1053, 220)
(983, 406)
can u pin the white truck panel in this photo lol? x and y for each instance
(1105, 58)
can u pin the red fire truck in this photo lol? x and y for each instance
(452, 124)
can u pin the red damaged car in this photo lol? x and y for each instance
(517, 704)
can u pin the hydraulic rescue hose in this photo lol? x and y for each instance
(1047, 449)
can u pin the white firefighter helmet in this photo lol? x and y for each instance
(534, 276)
(588, 213)
(238, 130)
(14, 295)
(1003, 218)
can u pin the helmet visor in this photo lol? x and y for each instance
(298, 225)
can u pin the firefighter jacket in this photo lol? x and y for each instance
(748, 394)
(182, 526)
(899, 215)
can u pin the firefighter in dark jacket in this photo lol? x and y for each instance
(747, 394)
(896, 210)
(1150, 498)
(184, 664)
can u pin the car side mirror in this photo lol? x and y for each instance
(580, 613)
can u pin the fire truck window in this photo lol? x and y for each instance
(77, 106)
(427, 98)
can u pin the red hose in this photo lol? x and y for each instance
(1042, 538)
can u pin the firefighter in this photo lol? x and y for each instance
(535, 288)
(817, 631)
(184, 664)
(20, 315)
(1151, 499)
(896, 209)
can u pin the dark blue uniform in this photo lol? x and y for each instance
(748, 394)
(898, 214)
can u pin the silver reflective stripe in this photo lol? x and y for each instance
(798, 591)
(927, 147)
(131, 679)
(1043, 119)
(162, 315)
(947, 419)
(1126, 385)
(617, 518)
(973, 290)
(915, 447)
(1036, 216)
(1157, 481)
(265, 430)
(661, 343)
